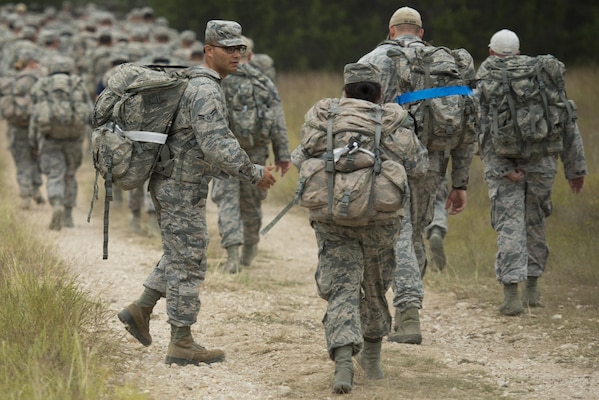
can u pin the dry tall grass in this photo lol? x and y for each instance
(53, 344)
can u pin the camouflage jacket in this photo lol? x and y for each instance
(201, 143)
(255, 111)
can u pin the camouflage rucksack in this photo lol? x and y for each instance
(61, 106)
(132, 118)
(264, 63)
(347, 180)
(15, 98)
(524, 102)
(436, 87)
(247, 94)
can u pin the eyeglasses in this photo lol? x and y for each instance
(232, 49)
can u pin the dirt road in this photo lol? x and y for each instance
(267, 319)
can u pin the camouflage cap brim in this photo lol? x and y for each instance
(223, 33)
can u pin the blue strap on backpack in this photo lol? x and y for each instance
(433, 93)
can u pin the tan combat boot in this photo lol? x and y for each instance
(248, 253)
(531, 295)
(232, 265)
(37, 197)
(406, 327)
(68, 218)
(512, 305)
(344, 370)
(184, 351)
(57, 217)
(370, 358)
(438, 251)
(137, 322)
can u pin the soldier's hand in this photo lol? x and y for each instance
(456, 201)
(283, 166)
(576, 184)
(268, 179)
(516, 175)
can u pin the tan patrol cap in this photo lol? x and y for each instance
(406, 15)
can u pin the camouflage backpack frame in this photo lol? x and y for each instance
(524, 104)
(15, 98)
(132, 118)
(436, 87)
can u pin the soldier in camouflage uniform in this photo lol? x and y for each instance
(356, 264)
(257, 119)
(520, 195)
(437, 229)
(96, 61)
(139, 43)
(49, 41)
(26, 39)
(60, 158)
(187, 41)
(29, 176)
(201, 146)
(263, 62)
(405, 27)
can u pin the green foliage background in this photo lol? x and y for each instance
(325, 35)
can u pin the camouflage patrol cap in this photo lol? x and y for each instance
(197, 52)
(28, 32)
(161, 33)
(223, 33)
(17, 23)
(27, 54)
(358, 72)
(118, 57)
(61, 64)
(49, 36)
(139, 33)
(188, 36)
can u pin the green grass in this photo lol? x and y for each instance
(52, 341)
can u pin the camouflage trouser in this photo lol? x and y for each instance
(439, 210)
(518, 213)
(422, 201)
(29, 177)
(356, 266)
(181, 212)
(407, 283)
(60, 160)
(140, 198)
(239, 207)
